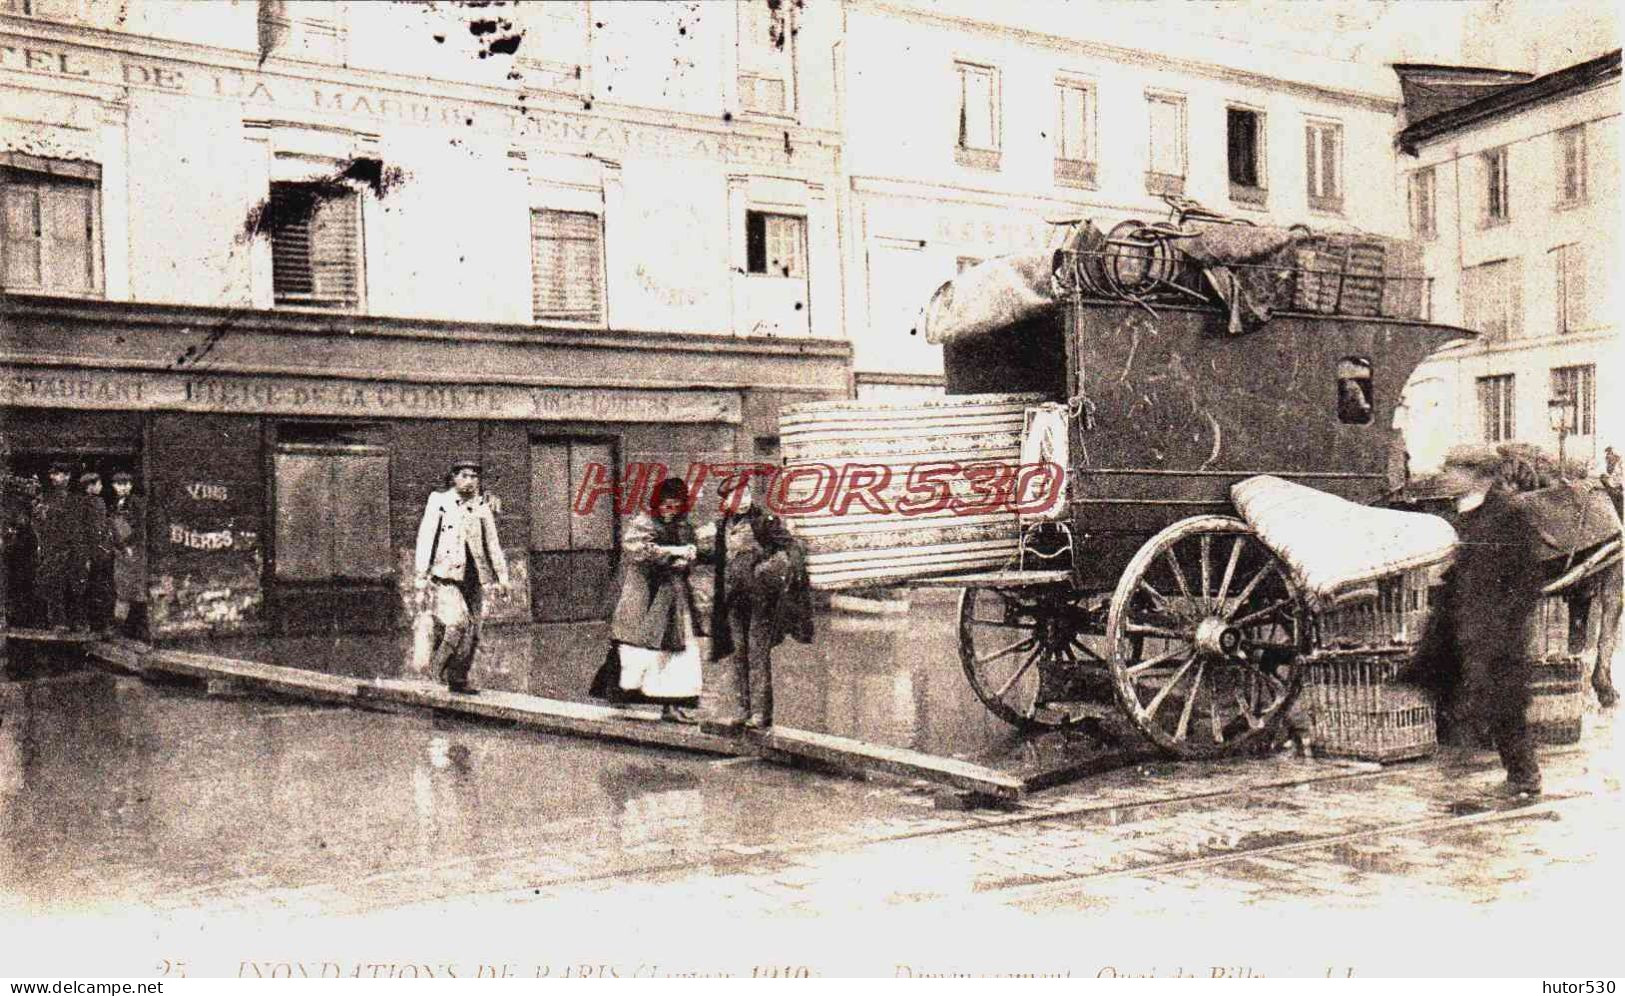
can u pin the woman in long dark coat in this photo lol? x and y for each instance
(654, 654)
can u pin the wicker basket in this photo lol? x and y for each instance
(1556, 699)
(1356, 710)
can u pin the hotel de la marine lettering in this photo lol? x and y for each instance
(282, 259)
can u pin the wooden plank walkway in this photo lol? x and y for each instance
(631, 725)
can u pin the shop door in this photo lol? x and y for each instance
(572, 554)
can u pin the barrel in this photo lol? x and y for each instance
(857, 545)
(1556, 702)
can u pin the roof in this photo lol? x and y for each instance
(1427, 90)
(1442, 86)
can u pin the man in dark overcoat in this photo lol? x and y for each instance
(63, 560)
(1477, 652)
(99, 593)
(761, 595)
(129, 522)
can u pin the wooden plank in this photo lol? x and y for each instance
(993, 579)
(266, 677)
(124, 654)
(24, 635)
(855, 755)
(600, 722)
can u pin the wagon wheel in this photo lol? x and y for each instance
(1023, 651)
(1205, 628)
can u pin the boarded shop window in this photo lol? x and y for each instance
(1354, 392)
(1497, 207)
(49, 237)
(1323, 164)
(1495, 408)
(332, 513)
(766, 55)
(1492, 299)
(566, 265)
(1579, 386)
(1569, 264)
(1571, 166)
(775, 244)
(315, 245)
(1244, 136)
(572, 550)
(1424, 213)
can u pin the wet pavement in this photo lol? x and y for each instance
(891, 680)
(155, 817)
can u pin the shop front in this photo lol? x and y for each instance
(286, 499)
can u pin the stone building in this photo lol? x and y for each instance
(285, 260)
(1512, 185)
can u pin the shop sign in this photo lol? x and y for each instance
(236, 394)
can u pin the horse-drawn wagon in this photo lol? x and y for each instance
(1220, 400)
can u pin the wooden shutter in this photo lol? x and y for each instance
(290, 243)
(360, 488)
(65, 237)
(304, 517)
(1571, 266)
(566, 265)
(1511, 271)
(550, 500)
(334, 233)
(21, 235)
(595, 531)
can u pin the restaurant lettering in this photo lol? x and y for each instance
(247, 395)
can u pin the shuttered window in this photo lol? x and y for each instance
(48, 233)
(775, 244)
(315, 245)
(332, 514)
(1579, 386)
(1496, 406)
(1323, 165)
(1571, 166)
(1492, 299)
(566, 265)
(1497, 203)
(1570, 265)
(766, 57)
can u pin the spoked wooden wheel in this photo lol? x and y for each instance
(1204, 632)
(1024, 653)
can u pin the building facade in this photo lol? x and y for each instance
(286, 260)
(973, 130)
(1514, 192)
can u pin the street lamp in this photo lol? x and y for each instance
(1560, 414)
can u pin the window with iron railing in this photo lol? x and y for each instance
(1165, 168)
(1074, 133)
(978, 143)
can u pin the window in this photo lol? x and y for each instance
(767, 36)
(775, 244)
(572, 556)
(1244, 130)
(1323, 165)
(1492, 299)
(1354, 391)
(978, 116)
(67, 10)
(332, 506)
(566, 266)
(1571, 166)
(1495, 406)
(1579, 385)
(1496, 207)
(1166, 171)
(315, 245)
(1569, 263)
(49, 236)
(1424, 217)
(309, 32)
(1074, 133)
(555, 42)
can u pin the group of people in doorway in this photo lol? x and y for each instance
(76, 555)
(760, 596)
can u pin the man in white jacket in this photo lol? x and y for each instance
(458, 553)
